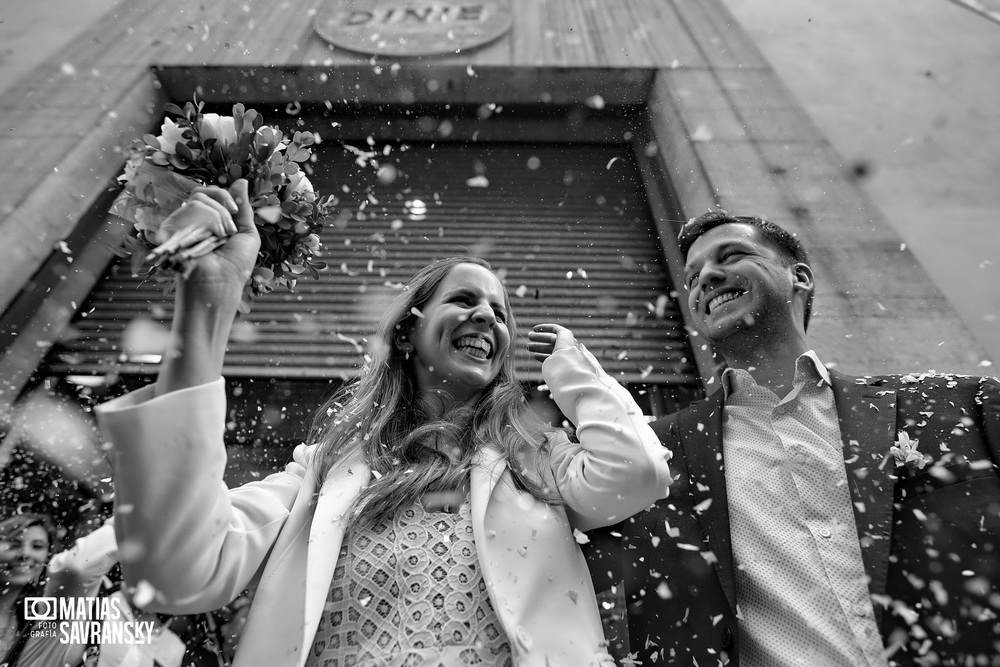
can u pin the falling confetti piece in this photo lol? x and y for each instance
(143, 336)
(595, 102)
(661, 306)
(521, 291)
(663, 590)
(144, 594)
(611, 162)
(580, 537)
(347, 339)
(703, 505)
(478, 182)
(702, 134)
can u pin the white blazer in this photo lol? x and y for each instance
(199, 544)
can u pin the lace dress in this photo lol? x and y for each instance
(409, 592)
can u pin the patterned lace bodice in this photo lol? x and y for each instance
(409, 592)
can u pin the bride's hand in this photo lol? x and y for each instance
(231, 239)
(201, 224)
(546, 339)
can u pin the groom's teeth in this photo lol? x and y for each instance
(721, 299)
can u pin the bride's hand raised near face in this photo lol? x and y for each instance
(546, 339)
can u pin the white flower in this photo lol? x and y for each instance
(170, 135)
(222, 128)
(312, 242)
(135, 162)
(297, 182)
(906, 455)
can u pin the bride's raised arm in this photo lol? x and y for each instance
(187, 543)
(208, 297)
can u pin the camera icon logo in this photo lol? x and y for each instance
(40, 609)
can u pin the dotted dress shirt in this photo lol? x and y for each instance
(801, 586)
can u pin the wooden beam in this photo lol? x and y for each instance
(34, 226)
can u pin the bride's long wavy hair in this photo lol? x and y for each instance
(380, 415)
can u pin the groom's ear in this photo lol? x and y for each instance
(802, 277)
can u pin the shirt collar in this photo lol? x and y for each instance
(806, 366)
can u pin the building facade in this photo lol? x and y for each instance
(563, 140)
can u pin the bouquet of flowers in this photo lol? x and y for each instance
(199, 149)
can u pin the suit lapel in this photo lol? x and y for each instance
(867, 417)
(700, 434)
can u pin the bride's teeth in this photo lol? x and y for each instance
(475, 346)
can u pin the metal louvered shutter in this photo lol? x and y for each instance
(566, 226)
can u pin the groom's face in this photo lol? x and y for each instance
(737, 283)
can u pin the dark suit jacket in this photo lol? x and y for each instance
(930, 538)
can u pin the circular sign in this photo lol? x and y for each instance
(401, 28)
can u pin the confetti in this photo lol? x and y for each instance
(702, 134)
(144, 594)
(703, 505)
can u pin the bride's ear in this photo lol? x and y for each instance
(401, 341)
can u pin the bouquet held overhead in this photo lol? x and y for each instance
(202, 149)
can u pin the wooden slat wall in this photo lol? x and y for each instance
(572, 236)
(686, 62)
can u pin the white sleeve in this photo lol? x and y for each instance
(618, 467)
(179, 528)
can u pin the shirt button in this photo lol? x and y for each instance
(825, 532)
(861, 609)
(523, 638)
(800, 457)
(781, 410)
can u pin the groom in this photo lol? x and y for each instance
(815, 518)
